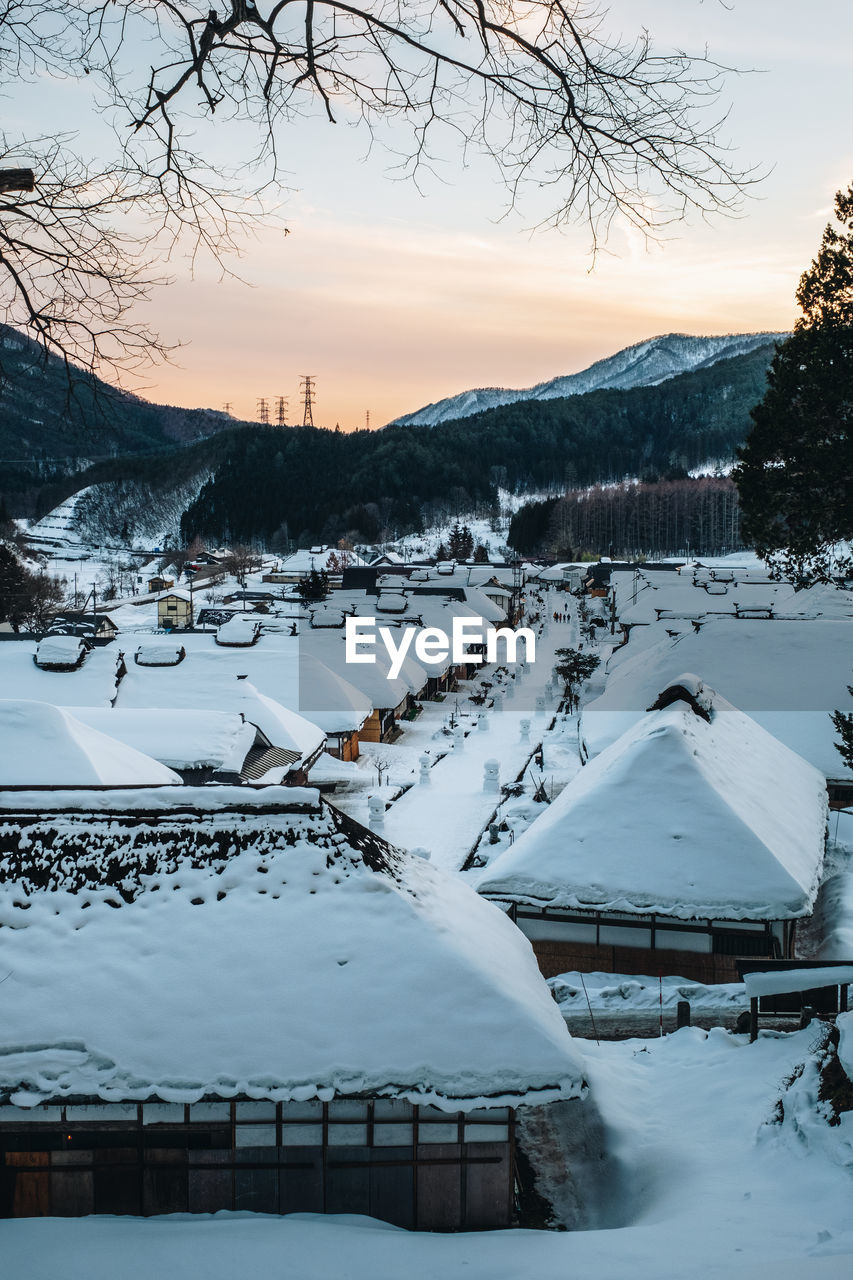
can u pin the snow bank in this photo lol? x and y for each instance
(844, 1022)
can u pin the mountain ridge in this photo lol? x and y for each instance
(646, 363)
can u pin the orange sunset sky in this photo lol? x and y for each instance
(392, 298)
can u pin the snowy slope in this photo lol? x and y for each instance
(643, 365)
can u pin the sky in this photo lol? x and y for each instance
(392, 297)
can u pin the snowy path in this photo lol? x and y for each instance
(447, 815)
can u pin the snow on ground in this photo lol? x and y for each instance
(707, 1184)
(447, 815)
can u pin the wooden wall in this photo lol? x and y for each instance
(70, 1169)
(564, 957)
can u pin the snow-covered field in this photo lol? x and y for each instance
(699, 1179)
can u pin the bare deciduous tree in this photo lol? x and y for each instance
(612, 128)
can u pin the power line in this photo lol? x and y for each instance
(306, 385)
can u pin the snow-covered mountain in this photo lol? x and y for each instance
(642, 365)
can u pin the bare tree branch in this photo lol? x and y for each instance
(612, 130)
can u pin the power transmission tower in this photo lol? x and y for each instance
(306, 385)
(264, 411)
(281, 411)
(227, 407)
(367, 419)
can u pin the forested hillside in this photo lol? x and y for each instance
(253, 484)
(325, 484)
(54, 421)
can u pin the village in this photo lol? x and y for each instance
(283, 934)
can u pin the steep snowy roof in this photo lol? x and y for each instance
(691, 814)
(180, 739)
(203, 683)
(266, 946)
(42, 745)
(787, 675)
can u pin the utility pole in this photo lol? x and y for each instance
(281, 410)
(264, 411)
(306, 385)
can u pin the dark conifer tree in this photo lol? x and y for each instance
(796, 469)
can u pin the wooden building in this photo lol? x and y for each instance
(301, 1032)
(695, 838)
(175, 610)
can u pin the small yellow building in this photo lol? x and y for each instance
(175, 610)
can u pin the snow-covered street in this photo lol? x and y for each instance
(447, 814)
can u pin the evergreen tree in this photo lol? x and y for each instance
(481, 554)
(457, 543)
(314, 586)
(574, 667)
(796, 469)
(843, 721)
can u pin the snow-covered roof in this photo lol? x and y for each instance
(370, 678)
(286, 953)
(318, 558)
(327, 616)
(481, 600)
(238, 631)
(59, 651)
(180, 739)
(642, 596)
(283, 727)
(43, 745)
(175, 593)
(328, 699)
(159, 653)
(279, 666)
(788, 676)
(695, 815)
(391, 602)
(777, 982)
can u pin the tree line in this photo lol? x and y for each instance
(668, 517)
